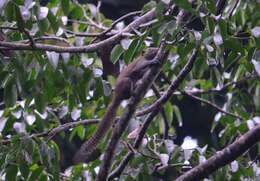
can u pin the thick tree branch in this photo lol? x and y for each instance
(88, 48)
(223, 157)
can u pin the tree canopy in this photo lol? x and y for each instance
(194, 116)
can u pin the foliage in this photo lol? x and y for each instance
(41, 90)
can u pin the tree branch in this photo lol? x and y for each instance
(223, 157)
(90, 23)
(212, 105)
(69, 125)
(119, 20)
(84, 34)
(221, 4)
(234, 8)
(200, 91)
(88, 48)
(51, 133)
(166, 96)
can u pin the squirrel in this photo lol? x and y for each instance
(123, 90)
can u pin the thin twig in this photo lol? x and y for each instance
(148, 156)
(106, 31)
(90, 23)
(36, 39)
(69, 125)
(30, 38)
(212, 105)
(129, 147)
(51, 133)
(119, 20)
(224, 87)
(8, 28)
(200, 91)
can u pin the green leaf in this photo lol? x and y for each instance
(234, 45)
(211, 5)
(53, 21)
(240, 18)
(184, 4)
(211, 25)
(149, 6)
(134, 49)
(223, 28)
(251, 53)
(56, 149)
(40, 102)
(177, 112)
(98, 92)
(160, 8)
(9, 11)
(65, 5)
(81, 132)
(81, 91)
(205, 84)
(24, 169)
(43, 25)
(18, 18)
(10, 92)
(72, 101)
(129, 54)
(116, 53)
(36, 172)
(169, 110)
(76, 13)
(43, 177)
(257, 40)
(11, 173)
(183, 51)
